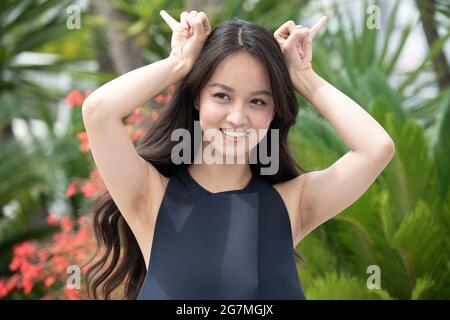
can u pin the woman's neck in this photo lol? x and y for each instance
(221, 177)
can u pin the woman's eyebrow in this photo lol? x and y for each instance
(266, 92)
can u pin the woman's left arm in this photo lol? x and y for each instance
(325, 193)
(357, 128)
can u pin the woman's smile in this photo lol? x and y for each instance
(233, 135)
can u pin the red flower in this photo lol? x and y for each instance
(94, 174)
(24, 249)
(137, 134)
(162, 99)
(45, 264)
(155, 114)
(6, 286)
(89, 189)
(82, 220)
(71, 189)
(3, 288)
(136, 117)
(15, 263)
(49, 281)
(52, 220)
(83, 234)
(66, 224)
(60, 263)
(74, 98)
(83, 137)
(72, 294)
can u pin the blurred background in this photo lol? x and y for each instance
(391, 57)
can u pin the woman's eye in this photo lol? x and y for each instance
(262, 102)
(220, 95)
(223, 96)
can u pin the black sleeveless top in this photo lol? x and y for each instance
(228, 245)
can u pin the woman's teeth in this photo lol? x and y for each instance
(234, 133)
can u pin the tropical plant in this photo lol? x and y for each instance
(401, 224)
(363, 62)
(26, 27)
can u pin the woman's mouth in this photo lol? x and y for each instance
(233, 135)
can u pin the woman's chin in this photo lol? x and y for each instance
(231, 152)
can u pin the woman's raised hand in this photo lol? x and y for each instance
(296, 43)
(188, 35)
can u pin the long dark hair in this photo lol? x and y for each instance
(121, 259)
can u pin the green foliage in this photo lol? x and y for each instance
(335, 286)
(26, 26)
(362, 62)
(154, 34)
(400, 224)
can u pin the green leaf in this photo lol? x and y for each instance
(334, 286)
(422, 285)
(422, 239)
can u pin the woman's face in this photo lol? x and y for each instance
(237, 97)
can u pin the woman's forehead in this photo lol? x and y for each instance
(242, 72)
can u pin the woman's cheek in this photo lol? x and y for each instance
(210, 114)
(264, 120)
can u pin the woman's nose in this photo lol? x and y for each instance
(237, 116)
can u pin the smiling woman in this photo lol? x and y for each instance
(196, 230)
(230, 104)
(223, 227)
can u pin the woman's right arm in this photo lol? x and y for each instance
(131, 180)
(121, 96)
(127, 176)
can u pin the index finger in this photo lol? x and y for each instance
(168, 19)
(316, 28)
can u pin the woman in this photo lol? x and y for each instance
(220, 229)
